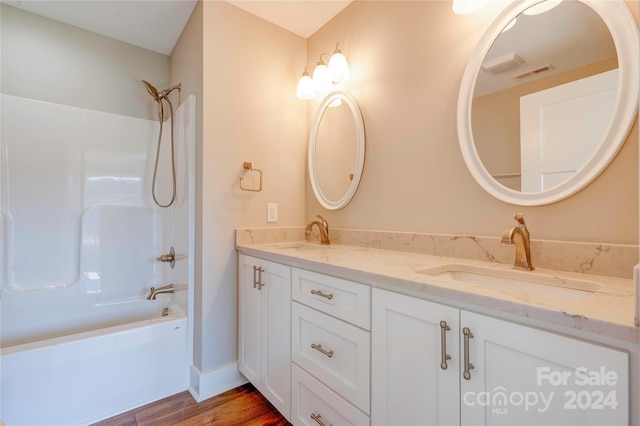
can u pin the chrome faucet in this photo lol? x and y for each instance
(153, 292)
(519, 235)
(323, 226)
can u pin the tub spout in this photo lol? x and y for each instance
(153, 292)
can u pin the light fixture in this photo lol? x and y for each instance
(542, 7)
(338, 66)
(464, 7)
(321, 78)
(306, 89)
(324, 77)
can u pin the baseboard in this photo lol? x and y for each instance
(214, 382)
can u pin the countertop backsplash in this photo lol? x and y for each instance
(614, 260)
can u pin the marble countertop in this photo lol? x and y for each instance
(608, 311)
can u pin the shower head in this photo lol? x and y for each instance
(158, 96)
(152, 90)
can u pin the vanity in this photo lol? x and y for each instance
(354, 335)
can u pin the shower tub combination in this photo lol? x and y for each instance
(79, 238)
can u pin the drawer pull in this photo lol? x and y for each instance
(467, 365)
(321, 294)
(322, 351)
(257, 281)
(318, 418)
(443, 344)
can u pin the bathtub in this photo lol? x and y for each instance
(88, 376)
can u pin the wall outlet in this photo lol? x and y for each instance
(272, 212)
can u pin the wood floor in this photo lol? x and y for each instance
(243, 405)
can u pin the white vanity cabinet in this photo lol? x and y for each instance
(526, 376)
(330, 350)
(499, 373)
(264, 329)
(409, 384)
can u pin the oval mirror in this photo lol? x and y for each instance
(548, 98)
(336, 150)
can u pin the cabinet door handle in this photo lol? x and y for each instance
(321, 294)
(443, 344)
(318, 418)
(318, 348)
(257, 280)
(467, 365)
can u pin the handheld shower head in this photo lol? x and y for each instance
(152, 90)
(158, 96)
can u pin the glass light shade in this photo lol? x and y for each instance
(338, 67)
(464, 7)
(306, 88)
(321, 78)
(542, 7)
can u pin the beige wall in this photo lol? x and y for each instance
(250, 113)
(407, 61)
(50, 61)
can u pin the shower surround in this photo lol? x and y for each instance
(79, 236)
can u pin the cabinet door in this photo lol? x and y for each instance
(250, 325)
(276, 358)
(526, 376)
(264, 329)
(409, 385)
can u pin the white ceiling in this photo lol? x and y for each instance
(151, 24)
(569, 36)
(302, 17)
(157, 24)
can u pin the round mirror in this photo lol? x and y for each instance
(336, 150)
(548, 98)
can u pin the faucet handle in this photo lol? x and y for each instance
(519, 217)
(325, 224)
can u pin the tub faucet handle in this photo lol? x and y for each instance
(168, 258)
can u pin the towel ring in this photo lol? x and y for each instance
(249, 166)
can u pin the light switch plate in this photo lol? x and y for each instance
(272, 212)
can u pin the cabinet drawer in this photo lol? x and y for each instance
(335, 352)
(310, 397)
(340, 298)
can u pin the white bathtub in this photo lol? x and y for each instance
(92, 375)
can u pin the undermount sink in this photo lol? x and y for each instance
(516, 282)
(298, 246)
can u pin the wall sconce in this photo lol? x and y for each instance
(323, 76)
(465, 7)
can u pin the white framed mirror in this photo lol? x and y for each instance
(336, 150)
(523, 91)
